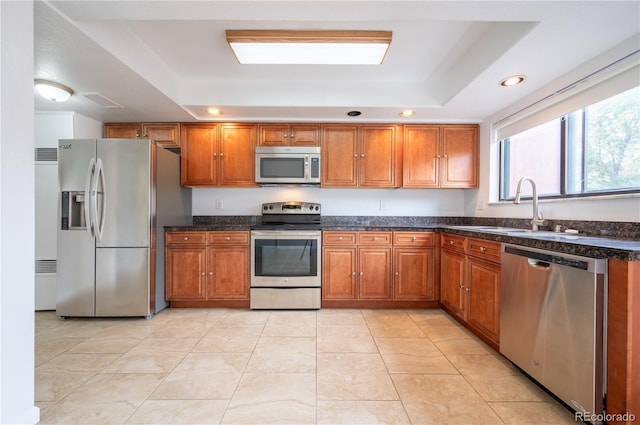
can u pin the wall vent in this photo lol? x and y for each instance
(46, 154)
(46, 266)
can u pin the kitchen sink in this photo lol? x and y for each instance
(512, 231)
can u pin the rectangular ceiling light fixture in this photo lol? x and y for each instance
(291, 47)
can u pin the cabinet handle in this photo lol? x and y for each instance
(375, 238)
(339, 238)
(361, 155)
(221, 155)
(228, 238)
(355, 155)
(483, 249)
(210, 273)
(451, 242)
(467, 289)
(444, 156)
(397, 273)
(361, 273)
(414, 239)
(437, 156)
(144, 136)
(186, 238)
(203, 273)
(215, 154)
(353, 273)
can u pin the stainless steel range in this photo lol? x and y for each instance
(286, 257)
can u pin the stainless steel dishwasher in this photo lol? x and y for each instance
(551, 322)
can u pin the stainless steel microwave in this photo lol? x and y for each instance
(287, 165)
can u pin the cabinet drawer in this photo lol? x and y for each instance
(338, 238)
(453, 242)
(185, 238)
(374, 238)
(481, 248)
(413, 238)
(228, 238)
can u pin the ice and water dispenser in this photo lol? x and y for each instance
(73, 211)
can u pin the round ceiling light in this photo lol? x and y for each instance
(408, 113)
(53, 91)
(514, 80)
(354, 113)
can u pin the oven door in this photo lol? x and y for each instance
(285, 258)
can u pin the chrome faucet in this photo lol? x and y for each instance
(537, 219)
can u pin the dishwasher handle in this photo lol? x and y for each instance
(538, 264)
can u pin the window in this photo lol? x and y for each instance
(594, 150)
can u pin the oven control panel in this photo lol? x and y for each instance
(291, 207)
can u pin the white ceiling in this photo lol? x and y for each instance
(169, 61)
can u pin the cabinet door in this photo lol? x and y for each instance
(421, 158)
(304, 135)
(413, 274)
(185, 273)
(484, 297)
(452, 281)
(374, 273)
(122, 131)
(459, 156)
(237, 150)
(199, 159)
(273, 134)
(166, 135)
(228, 272)
(339, 273)
(377, 162)
(339, 156)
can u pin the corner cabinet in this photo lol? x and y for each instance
(378, 269)
(207, 269)
(165, 134)
(218, 155)
(440, 156)
(359, 156)
(470, 284)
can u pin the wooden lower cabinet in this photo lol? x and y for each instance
(470, 284)
(370, 269)
(207, 269)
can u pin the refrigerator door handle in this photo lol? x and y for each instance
(87, 198)
(99, 179)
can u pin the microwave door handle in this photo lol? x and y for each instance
(307, 165)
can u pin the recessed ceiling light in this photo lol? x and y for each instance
(214, 111)
(290, 47)
(514, 80)
(53, 91)
(408, 113)
(354, 113)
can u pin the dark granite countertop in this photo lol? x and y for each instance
(589, 243)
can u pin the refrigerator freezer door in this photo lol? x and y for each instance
(122, 282)
(127, 192)
(75, 292)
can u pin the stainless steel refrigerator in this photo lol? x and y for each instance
(115, 197)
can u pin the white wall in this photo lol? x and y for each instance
(484, 201)
(351, 202)
(16, 215)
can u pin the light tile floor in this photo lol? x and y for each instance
(219, 366)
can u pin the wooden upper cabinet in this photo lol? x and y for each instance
(339, 156)
(460, 147)
(218, 155)
(237, 155)
(165, 134)
(199, 158)
(289, 135)
(420, 162)
(444, 156)
(377, 149)
(359, 156)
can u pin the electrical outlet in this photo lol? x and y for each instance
(383, 204)
(219, 204)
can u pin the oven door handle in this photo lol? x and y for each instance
(285, 234)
